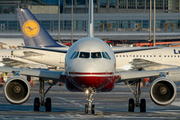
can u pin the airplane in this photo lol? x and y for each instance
(88, 73)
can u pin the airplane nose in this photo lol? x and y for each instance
(91, 74)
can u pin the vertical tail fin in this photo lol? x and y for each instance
(91, 19)
(34, 34)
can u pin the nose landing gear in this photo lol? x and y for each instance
(90, 106)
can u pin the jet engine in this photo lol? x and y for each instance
(17, 90)
(163, 91)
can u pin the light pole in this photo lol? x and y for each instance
(154, 40)
(72, 23)
(150, 20)
(59, 22)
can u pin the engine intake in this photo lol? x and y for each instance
(163, 91)
(17, 90)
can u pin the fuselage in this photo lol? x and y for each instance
(90, 63)
(49, 58)
(7, 59)
(9, 43)
(166, 56)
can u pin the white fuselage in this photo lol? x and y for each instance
(11, 43)
(13, 60)
(164, 56)
(55, 59)
(90, 63)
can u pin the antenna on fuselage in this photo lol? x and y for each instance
(91, 20)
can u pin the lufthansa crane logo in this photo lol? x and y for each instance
(31, 28)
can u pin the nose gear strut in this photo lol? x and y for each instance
(90, 106)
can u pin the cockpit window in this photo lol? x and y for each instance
(104, 55)
(84, 55)
(107, 55)
(76, 55)
(95, 55)
(72, 55)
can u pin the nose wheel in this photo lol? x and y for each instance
(90, 106)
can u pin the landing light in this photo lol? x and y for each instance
(126, 67)
(1, 64)
(87, 92)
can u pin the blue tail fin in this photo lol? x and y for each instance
(34, 34)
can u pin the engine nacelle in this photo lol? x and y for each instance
(17, 90)
(163, 91)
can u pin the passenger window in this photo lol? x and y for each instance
(76, 55)
(140, 55)
(104, 55)
(116, 55)
(72, 55)
(123, 55)
(136, 55)
(107, 55)
(150, 55)
(96, 55)
(143, 55)
(164, 55)
(119, 55)
(175, 56)
(133, 55)
(84, 55)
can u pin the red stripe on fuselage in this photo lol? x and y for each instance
(80, 73)
(90, 80)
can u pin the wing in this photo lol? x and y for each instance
(31, 53)
(139, 63)
(130, 75)
(46, 49)
(55, 75)
(10, 62)
(134, 50)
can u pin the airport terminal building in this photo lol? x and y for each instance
(110, 15)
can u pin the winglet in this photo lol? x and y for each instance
(91, 20)
(34, 34)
